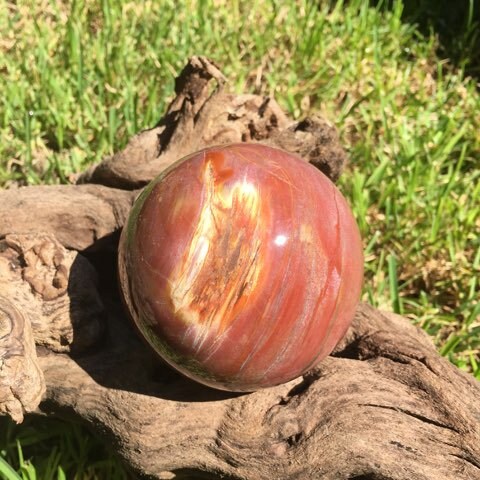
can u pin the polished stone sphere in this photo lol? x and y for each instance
(241, 266)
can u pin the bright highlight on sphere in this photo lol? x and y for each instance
(241, 266)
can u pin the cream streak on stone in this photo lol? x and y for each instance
(194, 282)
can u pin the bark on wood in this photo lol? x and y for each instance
(385, 405)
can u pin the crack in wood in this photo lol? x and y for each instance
(475, 462)
(418, 416)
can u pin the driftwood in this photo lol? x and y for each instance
(385, 405)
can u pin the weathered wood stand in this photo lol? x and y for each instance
(385, 405)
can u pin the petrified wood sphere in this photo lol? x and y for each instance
(241, 266)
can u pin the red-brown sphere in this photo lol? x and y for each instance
(241, 266)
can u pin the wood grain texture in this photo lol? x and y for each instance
(78, 216)
(21, 380)
(384, 406)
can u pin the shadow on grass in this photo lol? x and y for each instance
(456, 24)
(46, 446)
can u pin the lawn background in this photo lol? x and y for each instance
(399, 79)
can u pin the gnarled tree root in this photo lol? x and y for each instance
(385, 405)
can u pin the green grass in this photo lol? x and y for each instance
(53, 450)
(79, 78)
